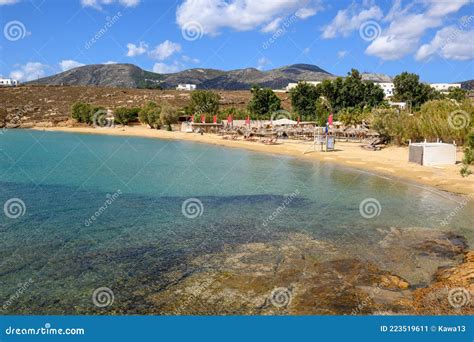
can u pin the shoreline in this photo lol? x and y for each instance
(391, 161)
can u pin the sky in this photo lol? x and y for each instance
(432, 38)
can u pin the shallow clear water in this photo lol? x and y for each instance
(65, 179)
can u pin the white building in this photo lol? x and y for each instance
(293, 85)
(186, 86)
(387, 88)
(8, 82)
(444, 87)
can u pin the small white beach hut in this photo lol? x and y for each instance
(432, 153)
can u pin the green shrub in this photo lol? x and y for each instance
(124, 115)
(437, 119)
(150, 115)
(468, 155)
(85, 112)
(169, 115)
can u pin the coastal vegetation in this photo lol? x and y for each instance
(124, 115)
(150, 115)
(468, 155)
(263, 103)
(203, 102)
(84, 112)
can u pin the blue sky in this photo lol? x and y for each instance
(432, 38)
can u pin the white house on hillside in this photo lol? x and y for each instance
(293, 85)
(387, 88)
(8, 82)
(186, 86)
(444, 87)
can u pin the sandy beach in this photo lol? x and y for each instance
(391, 161)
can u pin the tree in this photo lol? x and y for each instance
(150, 115)
(353, 90)
(408, 88)
(264, 102)
(124, 115)
(373, 95)
(204, 102)
(457, 94)
(303, 100)
(169, 115)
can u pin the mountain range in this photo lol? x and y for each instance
(131, 76)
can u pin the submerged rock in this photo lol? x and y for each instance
(299, 276)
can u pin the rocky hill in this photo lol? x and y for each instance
(468, 85)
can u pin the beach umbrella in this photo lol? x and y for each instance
(298, 120)
(330, 119)
(214, 119)
(203, 118)
(247, 121)
(192, 118)
(229, 119)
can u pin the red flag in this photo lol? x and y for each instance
(214, 119)
(298, 119)
(229, 119)
(330, 119)
(247, 121)
(192, 118)
(203, 118)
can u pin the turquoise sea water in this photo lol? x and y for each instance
(108, 211)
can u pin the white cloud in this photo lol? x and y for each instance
(450, 43)
(408, 25)
(110, 62)
(188, 59)
(29, 71)
(240, 15)
(342, 53)
(164, 50)
(134, 50)
(350, 19)
(273, 25)
(262, 63)
(8, 2)
(99, 3)
(163, 68)
(307, 12)
(69, 64)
